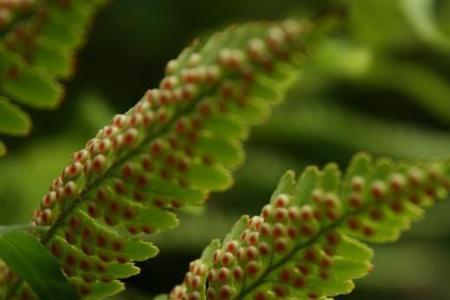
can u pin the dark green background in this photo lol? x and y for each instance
(380, 85)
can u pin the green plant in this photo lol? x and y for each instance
(38, 43)
(305, 244)
(177, 144)
(181, 141)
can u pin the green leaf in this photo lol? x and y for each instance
(208, 253)
(189, 196)
(32, 262)
(286, 184)
(226, 127)
(331, 178)
(19, 227)
(30, 69)
(33, 89)
(104, 290)
(214, 178)
(13, 120)
(306, 242)
(220, 150)
(48, 58)
(170, 150)
(306, 184)
(237, 228)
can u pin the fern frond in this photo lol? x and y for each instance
(368, 67)
(178, 143)
(37, 50)
(306, 244)
(49, 37)
(12, 10)
(323, 122)
(12, 119)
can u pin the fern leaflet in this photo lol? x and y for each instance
(306, 242)
(178, 143)
(37, 48)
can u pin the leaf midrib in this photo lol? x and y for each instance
(60, 220)
(299, 248)
(97, 182)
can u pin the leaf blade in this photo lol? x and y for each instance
(29, 259)
(13, 120)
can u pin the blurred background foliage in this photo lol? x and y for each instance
(381, 85)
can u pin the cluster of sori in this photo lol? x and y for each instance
(8, 279)
(178, 143)
(194, 282)
(44, 31)
(189, 124)
(304, 245)
(22, 36)
(15, 3)
(5, 277)
(9, 8)
(37, 50)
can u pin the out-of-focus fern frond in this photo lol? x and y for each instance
(326, 124)
(405, 22)
(37, 48)
(12, 119)
(419, 13)
(363, 66)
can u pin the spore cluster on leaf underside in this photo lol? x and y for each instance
(178, 143)
(305, 243)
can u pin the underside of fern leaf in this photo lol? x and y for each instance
(178, 143)
(38, 41)
(307, 243)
